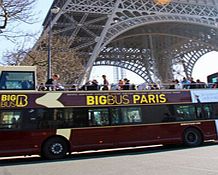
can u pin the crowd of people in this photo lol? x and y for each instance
(52, 84)
(121, 85)
(187, 83)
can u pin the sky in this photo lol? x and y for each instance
(205, 66)
(41, 8)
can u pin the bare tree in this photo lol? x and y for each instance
(65, 62)
(4, 15)
(13, 12)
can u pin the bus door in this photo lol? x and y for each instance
(18, 131)
(11, 136)
(92, 129)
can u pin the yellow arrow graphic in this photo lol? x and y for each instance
(50, 100)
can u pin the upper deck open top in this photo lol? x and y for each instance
(18, 89)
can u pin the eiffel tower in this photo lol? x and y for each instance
(147, 37)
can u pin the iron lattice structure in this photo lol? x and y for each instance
(139, 35)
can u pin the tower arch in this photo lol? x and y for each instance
(176, 32)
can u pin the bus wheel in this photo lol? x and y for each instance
(192, 137)
(55, 148)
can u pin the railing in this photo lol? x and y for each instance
(143, 86)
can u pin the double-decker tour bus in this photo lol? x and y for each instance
(55, 123)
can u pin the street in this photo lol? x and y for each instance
(175, 160)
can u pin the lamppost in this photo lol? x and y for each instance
(54, 10)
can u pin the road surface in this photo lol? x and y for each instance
(141, 161)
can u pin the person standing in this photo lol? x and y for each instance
(126, 85)
(105, 83)
(52, 83)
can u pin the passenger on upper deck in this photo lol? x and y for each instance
(41, 87)
(120, 85)
(142, 86)
(178, 85)
(93, 86)
(126, 85)
(105, 83)
(172, 84)
(90, 85)
(85, 86)
(52, 83)
(200, 84)
(73, 88)
(192, 83)
(153, 86)
(185, 83)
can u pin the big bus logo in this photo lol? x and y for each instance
(14, 100)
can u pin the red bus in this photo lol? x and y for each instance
(54, 124)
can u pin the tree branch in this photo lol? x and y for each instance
(5, 15)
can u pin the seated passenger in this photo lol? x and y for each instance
(14, 123)
(85, 86)
(200, 84)
(93, 86)
(72, 88)
(42, 87)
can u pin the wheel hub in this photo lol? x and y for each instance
(192, 137)
(56, 148)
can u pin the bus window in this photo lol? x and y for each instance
(30, 118)
(158, 114)
(80, 118)
(62, 118)
(10, 120)
(208, 111)
(115, 116)
(44, 115)
(56, 119)
(12, 80)
(204, 111)
(67, 116)
(185, 112)
(98, 117)
(215, 107)
(131, 115)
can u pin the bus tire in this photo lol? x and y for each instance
(192, 137)
(55, 148)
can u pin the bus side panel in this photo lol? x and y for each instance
(146, 134)
(170, 133)
(22, 142)
(137, 135)
(92, 138)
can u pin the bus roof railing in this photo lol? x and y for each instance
(144, 86)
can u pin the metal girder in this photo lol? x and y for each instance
(182, 30)
(136, 60)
